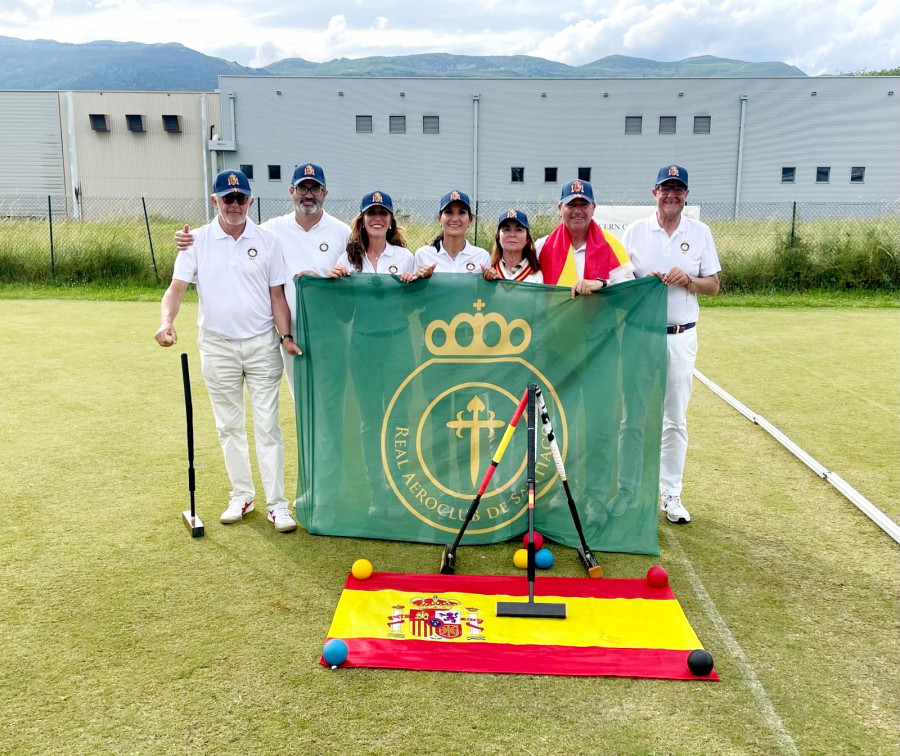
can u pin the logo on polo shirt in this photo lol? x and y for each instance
(393, 269)
(470, 266)
(323, 247)
(685, 246)
(252, 253)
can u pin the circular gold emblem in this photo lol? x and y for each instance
(685, 246)
(470, 266)
(323, 247)
(393, 269)
(252, 253)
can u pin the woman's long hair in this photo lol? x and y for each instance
(439, 239)
(528, 251)
(358, 242)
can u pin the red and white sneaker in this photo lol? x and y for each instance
(237, 508)
(281, 518)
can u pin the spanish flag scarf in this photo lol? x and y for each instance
(558, 257)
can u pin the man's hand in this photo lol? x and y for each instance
(290, 346)
(676, 277)
(166, 335)
(586, 287)
(184, 238)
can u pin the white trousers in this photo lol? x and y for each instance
(682, 354)
(227, 364)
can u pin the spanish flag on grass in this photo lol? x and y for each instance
(617, 627)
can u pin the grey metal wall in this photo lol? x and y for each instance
(31, 150)
(567, 124)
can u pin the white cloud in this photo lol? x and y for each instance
(847, 35)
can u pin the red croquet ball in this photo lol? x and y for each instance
(538, 541)
(657, 576)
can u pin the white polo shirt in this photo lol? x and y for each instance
(690, 248)
(469, 260)
(393, 261)
(317, 249)
(233, 278)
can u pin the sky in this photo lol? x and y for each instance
(819, 38)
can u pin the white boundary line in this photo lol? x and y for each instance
(759, 693)
(862, 503)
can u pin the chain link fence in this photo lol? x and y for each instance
(765, 245)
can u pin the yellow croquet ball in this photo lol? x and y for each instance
(361, 569)
(520, 559)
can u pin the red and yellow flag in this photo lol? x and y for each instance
(618, 627)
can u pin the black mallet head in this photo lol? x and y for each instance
(700, 662)
(448, 560)
(193, 524)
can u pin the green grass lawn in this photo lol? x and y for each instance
(122, 635)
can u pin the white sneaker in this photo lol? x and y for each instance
(237, 508)
(674, 509)
(281, 518)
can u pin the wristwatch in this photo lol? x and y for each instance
(603, 283)
(286, 336)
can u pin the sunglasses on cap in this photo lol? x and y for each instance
(230, 199)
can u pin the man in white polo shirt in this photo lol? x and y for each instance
(238, 270)
(311, 239)
(680, 252)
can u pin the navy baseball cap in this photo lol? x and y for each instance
(455, 196)
(517, 215)
(671, 173)
(376, 199)
(308, 172)
(577, 189)
(229, 182)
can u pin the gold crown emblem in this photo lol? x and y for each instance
(434, 602)
(511, 214)
(454, 195)
(233, 180)
(477, 345)
(377, 197)
(577, 186)
(673, 171)
(309, 171)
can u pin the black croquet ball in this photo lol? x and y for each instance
(700, 662)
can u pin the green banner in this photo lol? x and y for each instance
(404, 391)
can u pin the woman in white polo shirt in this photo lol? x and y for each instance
(513, 256)
(451, 252)
(376, 243)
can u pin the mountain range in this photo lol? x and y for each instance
(48, 65)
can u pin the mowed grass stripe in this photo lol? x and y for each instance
(121, 634)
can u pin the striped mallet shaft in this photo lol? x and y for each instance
(590, 562)
(504, 442)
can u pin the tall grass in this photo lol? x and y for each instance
(756, 256)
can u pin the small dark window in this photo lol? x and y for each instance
(99, 122)
(823, 175)
(702, 124)
(397, 124)
(584, 174)
(857, 174)
(363, 124)
(431, 124)
(172, 124)
(550, 175)
(135, 122)
(667, 124)
(518, 175)
(788, 175)
(247, 170)
(633, 124)
(274, 173)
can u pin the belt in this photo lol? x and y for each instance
(680, 328)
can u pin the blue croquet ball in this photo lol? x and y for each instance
(543, 559)
(700, 662)
(335, 652)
